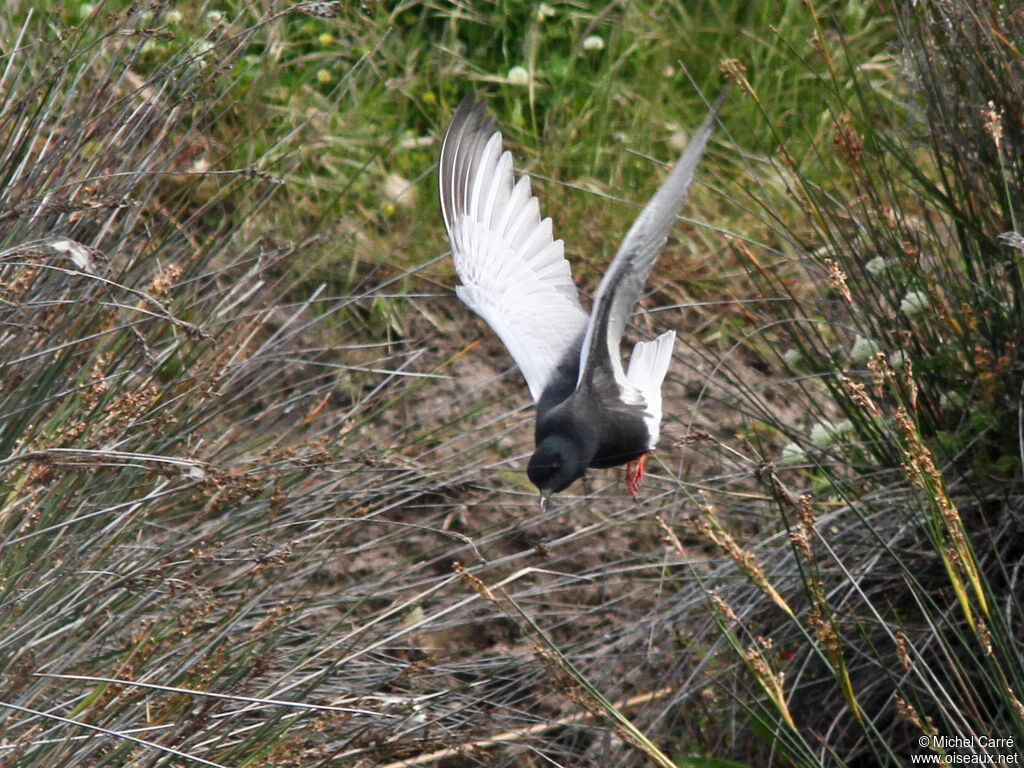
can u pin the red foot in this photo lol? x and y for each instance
(635, 473)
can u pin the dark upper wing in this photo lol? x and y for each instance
(600, 361)
(514, 273)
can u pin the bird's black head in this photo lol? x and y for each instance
(556, 464)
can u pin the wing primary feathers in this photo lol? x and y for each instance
(458, 155)
(513, 272)
(624, 281)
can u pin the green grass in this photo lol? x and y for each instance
(246, 430)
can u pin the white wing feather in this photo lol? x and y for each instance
(513, 272)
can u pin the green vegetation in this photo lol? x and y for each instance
(262, 488)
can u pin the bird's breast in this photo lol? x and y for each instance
(624, 438)
(609, 433)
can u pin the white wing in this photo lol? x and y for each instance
(513, 272)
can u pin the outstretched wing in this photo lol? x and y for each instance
(513, 272)
(620, 288)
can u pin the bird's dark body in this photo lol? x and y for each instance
(608, 431)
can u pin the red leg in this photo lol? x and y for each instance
(635, 473)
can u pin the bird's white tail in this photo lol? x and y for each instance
(647, 368)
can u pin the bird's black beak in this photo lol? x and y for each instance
(545, 496)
